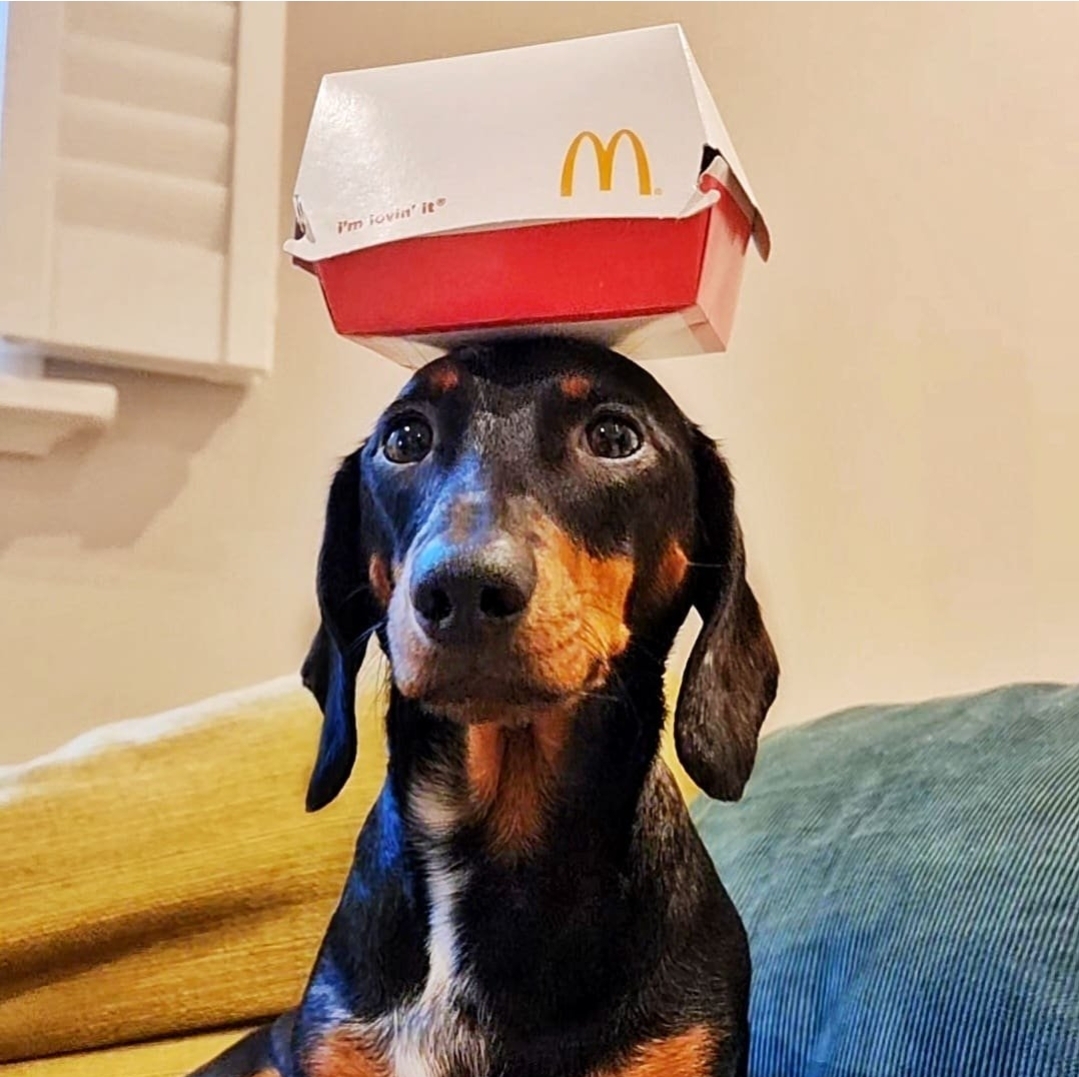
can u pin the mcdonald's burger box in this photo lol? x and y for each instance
(585, 187)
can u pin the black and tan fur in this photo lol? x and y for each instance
(529, 897)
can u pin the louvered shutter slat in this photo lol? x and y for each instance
(125, 200)
(205, 30)
(145, 139)
(146, 217)
(175, 296)
(186, 85)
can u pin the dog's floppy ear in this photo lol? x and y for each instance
(730, 678)
(349, 614)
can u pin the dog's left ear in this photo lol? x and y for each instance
(730, 678)
(349, 614)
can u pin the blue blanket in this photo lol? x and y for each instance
(909, 877)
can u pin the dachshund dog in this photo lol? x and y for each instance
(525, 532)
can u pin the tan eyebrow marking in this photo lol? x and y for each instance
(443, 377)
(576, 386)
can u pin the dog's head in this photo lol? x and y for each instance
(525, 517)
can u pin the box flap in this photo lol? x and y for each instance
(717, 137)
(600, 127)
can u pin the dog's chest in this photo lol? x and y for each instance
(433, 1038)
(440, 1032)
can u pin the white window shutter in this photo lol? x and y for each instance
(139, 183)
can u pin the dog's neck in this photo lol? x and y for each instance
(515, 789)
(526, 847)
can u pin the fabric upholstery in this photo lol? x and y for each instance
(166, 1058)
(160, 875)
(909, 877)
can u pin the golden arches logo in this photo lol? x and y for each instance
(605, 154)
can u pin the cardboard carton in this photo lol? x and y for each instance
(587, 187)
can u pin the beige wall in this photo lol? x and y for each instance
(901, 402)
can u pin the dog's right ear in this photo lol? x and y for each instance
(349, 615)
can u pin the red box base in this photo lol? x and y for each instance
(570, 271)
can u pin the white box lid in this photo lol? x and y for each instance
(475, 142)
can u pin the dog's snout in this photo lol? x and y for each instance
(458, 593)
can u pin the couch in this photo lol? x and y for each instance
(909, 877)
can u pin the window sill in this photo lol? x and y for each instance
(37, 413)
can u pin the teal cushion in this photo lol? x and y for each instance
(909, 877)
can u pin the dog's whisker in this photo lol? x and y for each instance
(361, 640)
(358, 590)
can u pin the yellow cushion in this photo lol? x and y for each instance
(160, 875)
(168, 1058)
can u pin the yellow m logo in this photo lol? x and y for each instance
(605, 160)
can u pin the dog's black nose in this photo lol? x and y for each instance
(457, 593)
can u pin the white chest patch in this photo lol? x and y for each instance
(429, 1036)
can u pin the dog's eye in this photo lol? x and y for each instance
(408, 439)
(612, 437)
